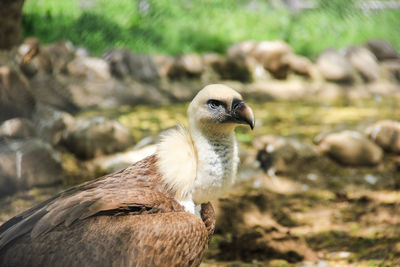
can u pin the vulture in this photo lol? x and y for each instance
(155, 212)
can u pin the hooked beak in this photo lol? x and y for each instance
(242, 113)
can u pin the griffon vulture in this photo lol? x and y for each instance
(153, 213)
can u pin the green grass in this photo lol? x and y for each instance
(182, 26)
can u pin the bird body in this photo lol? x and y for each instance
(153, 213)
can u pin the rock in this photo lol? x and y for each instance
(51, 90)
(382, 49)
(242, 49)
(239, 63)
(124, 63)
(32, 59)
(164, 64)
(386, 134)
(181, 90)
(51, 124)
(30, 163)
(273, 55)
(190, 66)
(392, 69)
(285, 155)
(113, 93)
(300, 65)
(335, 67)
(115, 162)
(28, 50)
(60, 55)
(16, 98)
(364, 62)
(92, 137)
(89, 68)
(350, 148)
(271, 90)
(17, 128)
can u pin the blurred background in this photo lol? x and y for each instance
(87, 86)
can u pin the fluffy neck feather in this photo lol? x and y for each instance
(197, 167)
(216, 166)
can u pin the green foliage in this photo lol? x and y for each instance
(182, 26)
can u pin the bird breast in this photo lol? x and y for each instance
(217, 166)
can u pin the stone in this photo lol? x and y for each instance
(392, 69)
(382, 49)
(239, 64)
(113, 93)
(364, 62)
(32, 59)
(60, 54)
(17, 128)
(283, 155)
(89, 68)
(140, 67)
(189, 65)
(16, 95)
(273, 55)
(335, 67)
(91, 137)
(30, 163)
(28, 49)
(386, 134)
(51, 124)
(53, 90)
(164, 64)
(300, 65)
(277, 90)
(115, 162)
(350, 148)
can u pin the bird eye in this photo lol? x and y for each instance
(213, 104)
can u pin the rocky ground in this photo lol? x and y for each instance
(319, 181)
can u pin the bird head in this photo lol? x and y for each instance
(218, 109)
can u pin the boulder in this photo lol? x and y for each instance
(140, 67)
(32, 59)
(189, 65)
(273, 55)
(51, 124)
(364, 62)
(392, 69)
(382, 49)
(113, 93)
(16, 98)
(91, 137)
(240, 64)
(300, 65)
(271, 90)
(350, 148)
(89, 68)
(244, 48)
(164, 64)
(17, 128)
(28, 49)
(52, 90)
(386, 134)
(60, 54)
(30, 163)
(283, 155)
(335, 67)
(115, 162)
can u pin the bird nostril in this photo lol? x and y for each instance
(236, 104)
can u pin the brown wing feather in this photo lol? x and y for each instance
(135, 189)
(78, 227)
(161, 239)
